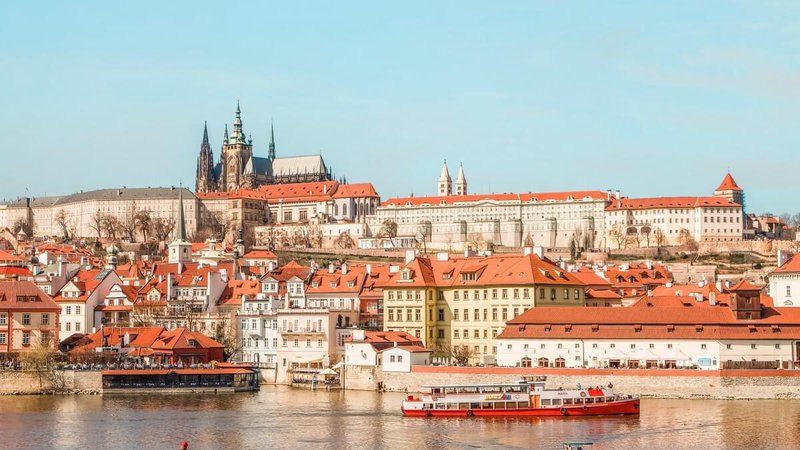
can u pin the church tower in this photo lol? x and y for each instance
(206, 179)
(237, 150)
(180, 250)
(271, 143)
(461, 181)
(730, 190)
(445, 182)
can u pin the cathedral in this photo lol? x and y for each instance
(239, 168)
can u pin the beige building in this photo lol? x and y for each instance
(650, 222)
(454, 302)
(481, 221)
(79, 212)
(28, 317)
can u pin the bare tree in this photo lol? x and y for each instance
(62, 219)
(41, 359)
(148, 312)
(646, 232)
(659, 237)
(344, 240)
(23, 225)
(162, 228)
(96, 224)
(459, 354)
(476, 241)
(143, 221)
(619, 235)
(686, 239)
(388, 231)
(226, 335)
(111, 226)
(127, 224)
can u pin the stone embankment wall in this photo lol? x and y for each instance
(71, 382)
(645, 383)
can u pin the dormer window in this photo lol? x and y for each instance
(351, 283)
(469, 276)
(333, 284)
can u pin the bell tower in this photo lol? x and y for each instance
(237, 150)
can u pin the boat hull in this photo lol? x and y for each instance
(625, 407)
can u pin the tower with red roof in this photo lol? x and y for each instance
(730, 190)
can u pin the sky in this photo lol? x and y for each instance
(651, 98)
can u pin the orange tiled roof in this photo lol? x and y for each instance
(669, 202)
(10, 290)
(790, 266)
(728, 184)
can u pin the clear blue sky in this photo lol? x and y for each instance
(653, 99)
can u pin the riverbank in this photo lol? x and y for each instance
(18, 382)
(666, 384)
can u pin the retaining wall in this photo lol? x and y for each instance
(23, 382)
(725, 384)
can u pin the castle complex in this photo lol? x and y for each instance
(239, 168)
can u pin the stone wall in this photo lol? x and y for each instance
(20, 382)
(645, 383)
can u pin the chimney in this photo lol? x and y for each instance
(469, 252)
(359, 335)
(394, 269)
(344, 268)
(782, 257)
(272, 266)
(442, 256)
(712, 298)
(181, 268)
(727, 284)
(410, 256)
(616, 195)
(719, 285)
(649, 292)
(608, 194)
(331, 268)
(527, 251)
(85, 262)
(538, 251)
(368, 268)
(62, 267)
(649, 265)
(669, 284)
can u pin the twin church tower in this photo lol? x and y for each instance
(239, 168)
(446, 183)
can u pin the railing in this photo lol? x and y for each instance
(300, 330)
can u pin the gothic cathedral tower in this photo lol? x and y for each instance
(236, 153)
(206, 179)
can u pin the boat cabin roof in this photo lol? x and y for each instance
(473, 386)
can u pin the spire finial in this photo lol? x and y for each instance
(205, 132)
(271, 141)
(181, 234)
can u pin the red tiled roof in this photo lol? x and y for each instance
(5, 256)
(728, 184)
(790, 266)
(602, 293)
(488, 270)
(11, 271)
(524, 197)
(410, 348)
(653, 323)
(383, 337)
(10, 290)
(670, 202)
(355, 190)
(260, 254)
(744, 285)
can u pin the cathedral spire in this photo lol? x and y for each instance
(445, 182)
(271, 142)
(238, 134)
(225, 139)
(205, 133)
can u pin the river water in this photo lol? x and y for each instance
(286, 418)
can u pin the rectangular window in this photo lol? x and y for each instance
(505, 314)
(26, 338)
(455, 334)
(455, 314)
(45, 319)
(466, 314)
(418, 315)
(3, 319)
(77, 310)
(526, 293)
(566, 294)
(391, 315)
(68, 310)
(753, 347)
(494, 313)
(26, 319)
(441, 316)
(2, 338)
(505, 293)
(702, 346)
(516, 293)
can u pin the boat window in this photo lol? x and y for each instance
(556, 402)
(487, 405)
(545, 402)
(567, 401)
(463, 406)
(489, 389)
(468, 390)
(428, 405)
(452, 406)
(450, 390)
(589, 401)
(440, 406)
(436, 391)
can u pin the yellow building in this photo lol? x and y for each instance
(464, 303)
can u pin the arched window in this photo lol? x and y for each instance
(526, 362)
(544, 362)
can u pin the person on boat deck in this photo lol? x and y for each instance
(579, 386)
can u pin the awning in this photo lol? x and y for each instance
(328, 372)
(306, 359)
(643, 354)
(674, 355)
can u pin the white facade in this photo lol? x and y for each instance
(400, 359)
(784, 288)
(598, 353)
(258, 328)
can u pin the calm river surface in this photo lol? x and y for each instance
(281, 417)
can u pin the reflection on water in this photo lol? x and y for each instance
(280, 417)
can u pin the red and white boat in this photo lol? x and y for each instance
(524, 398)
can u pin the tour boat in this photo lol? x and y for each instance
(527, 397)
